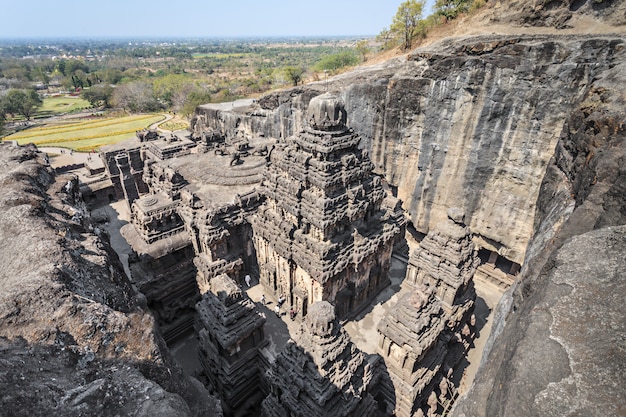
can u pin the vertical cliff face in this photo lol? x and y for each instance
(473, 123)
(557, 348)
(469, 122)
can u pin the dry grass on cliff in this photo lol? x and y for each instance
(485, 21)
(476, 22)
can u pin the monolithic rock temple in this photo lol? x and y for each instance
(441, 233)
(326, 229)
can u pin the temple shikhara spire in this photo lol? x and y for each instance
(327, 228)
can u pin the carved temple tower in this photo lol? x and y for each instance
(446, 261)
(327, 229)
(230, 331)
(426, 333)
(162, 265)
(322, 374)
(414, 350)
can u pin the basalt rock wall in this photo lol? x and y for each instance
(468, 122)
(560, 14)
(557, 345)
(276, 116)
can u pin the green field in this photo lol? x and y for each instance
(58, 105)
(86, 135)
(54, 106)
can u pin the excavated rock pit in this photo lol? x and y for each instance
(525, 133)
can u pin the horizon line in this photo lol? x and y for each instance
(177, 37)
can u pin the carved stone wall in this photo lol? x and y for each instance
(181, 242)
(222, 237)
(124, 167)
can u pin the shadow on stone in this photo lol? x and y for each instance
(321, 372)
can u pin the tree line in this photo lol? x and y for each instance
(19, 102)
(154, 76)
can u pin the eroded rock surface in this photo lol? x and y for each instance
(557, 13)
(562, 351)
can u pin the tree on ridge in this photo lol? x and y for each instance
(294, 74)
(406, 21)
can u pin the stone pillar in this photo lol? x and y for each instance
(127, 179)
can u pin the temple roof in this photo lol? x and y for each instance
(415, 322)
(321, 372)
(227, 312)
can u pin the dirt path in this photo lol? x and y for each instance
(156, 125)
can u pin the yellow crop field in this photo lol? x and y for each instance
(86, 135)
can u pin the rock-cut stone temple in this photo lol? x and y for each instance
(327, 228)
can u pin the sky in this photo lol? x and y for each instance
(195, 18)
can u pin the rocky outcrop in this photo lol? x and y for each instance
(70, 324)
(39, 380)
(557, 13)
(467, 122)
(560, 350)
